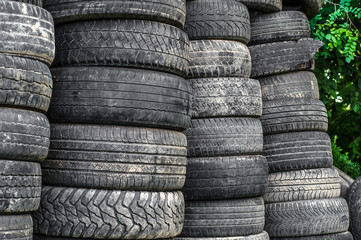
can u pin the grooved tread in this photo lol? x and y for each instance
(354, 201)
(263, 5)
(16, 227)
(346, 182)
(337, 236)
(310, 7)
(260, 236)
(35, 2)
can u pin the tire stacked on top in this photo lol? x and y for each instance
(303, 199)
(117, 156)
(27, 49)
(226, 172)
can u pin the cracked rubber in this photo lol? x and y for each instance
(305, 184)
(278, 27)
(212, 137)
(167, 11)
(260, 236)
(120, 96)
(337, 236)
(24, 83)
(346, 182)
(263, 5)
(224, 218)
(27, 30)
(301, 84)
(228, 97)
(226, 177)
(298, 150)
(24, 135)
(294, 115)
(122, 43)
(307, 218)
(16, 227)
(310, 7)
(115, 157)
(218, 58)
(109, 214)
(282, 57)
(354, 201)
(217, 19)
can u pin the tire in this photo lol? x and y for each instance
(226, 177)
(282, 57)
(294, 115)
(260, 236)
(337, 236)
(226, 97)
(307, 218)
(303, 185)
(115, 158)
(263, 5)
(109, 214)
(219, 58)
(120, 96)
(35, 2)
(278, 27)
(166, 11)
(217, 19)
(20, 186)
(25, 83)
(17, 227)
(27, 31)
(310, 7)
(354, 201)
(289, 85)
(346, 182)
(106, 42)
(24, 135)
(298, 150)
(224, 218)
(213, 137)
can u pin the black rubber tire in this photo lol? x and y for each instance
(263, 5)
(35, 2)
(16, 227)
(102, 214)
(120, 96)
(123, 43)
(20, 186)
(307, 218)
(305, 184)
(260, 236)
(337, 236)
(218, 19)
(115, 158)
(282, 57)
(289, 85)
(219, 58)
(310, 7)
(167, 11)
(354, 201)
(278, 27)
(224, 218)
(27, 31)
(226, 97)
(213, 137)
(24, 135)
(294, 115)
(346, 182)
(226, 177)
(298, 150)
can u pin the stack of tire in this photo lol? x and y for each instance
(117, 156)
(27, 49)
(303, 199)
(226, 173)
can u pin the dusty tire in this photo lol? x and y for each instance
(160, 213)
(303, 185)
(218, 58)
(298, 150)
(162, 47)
(294, 115)
(307, 218)
(120, 96)
(310, 7)
(337, 236)
(115, 157)
(278, 27)
(217, 19)
(24, 135)
(226, 97)
(166, 11)
(354, 201)
(25, 83)
(33, 38)
(289, 85)
(224, 218)
(263, 5)
(346, 182)
(282, 57)
(17, 227)
(35, 2)
(260, 236)
(226, 177)
(212, 137)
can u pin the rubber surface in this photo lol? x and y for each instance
(346, 182)
(16, 227)
(35, 2)
(337, 236)
(260, 236)
(354, 201)
(310, 7)
(263, 5)
(120, 96)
